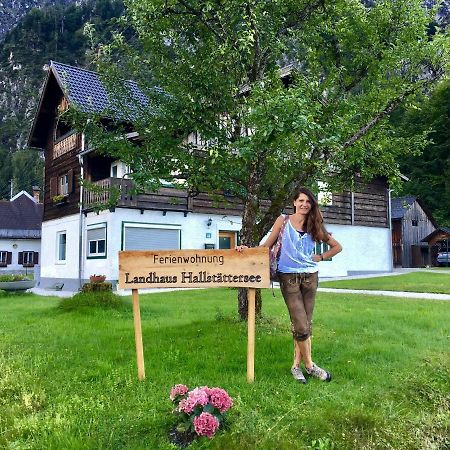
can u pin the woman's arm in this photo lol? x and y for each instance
(273, 236)
(334, 249)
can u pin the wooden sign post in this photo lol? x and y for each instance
(194, 269)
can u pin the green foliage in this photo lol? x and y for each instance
(95, 286)
(71, 383)
(98, 297)
(429, 171)
(410, 282)
(28, 170)
(218, 67)
(12, 277)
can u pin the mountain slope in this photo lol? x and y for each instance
(56, 33)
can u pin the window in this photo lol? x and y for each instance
(63, 188)
(96, 241)
(322, 247)
(5, 258)
(61, 244)
(151, 237)
(28, 258)
(415, 223)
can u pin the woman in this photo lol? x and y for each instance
(298, 273)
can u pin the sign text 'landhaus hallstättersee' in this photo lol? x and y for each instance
(194, 268)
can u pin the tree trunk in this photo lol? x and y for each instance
(243, 303)
(248, 234)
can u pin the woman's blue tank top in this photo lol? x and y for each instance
(297, 251)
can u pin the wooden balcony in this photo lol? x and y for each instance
(118, 192)
(66, 144)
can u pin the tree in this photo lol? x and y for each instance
(28, 170)
(281, 93)
(429, 172)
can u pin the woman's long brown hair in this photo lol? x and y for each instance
(314, 221)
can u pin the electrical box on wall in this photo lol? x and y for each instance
(210, 246)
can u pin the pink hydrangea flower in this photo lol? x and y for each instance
(206, 425)
(220, 399)
(178, 389)
(197, 396)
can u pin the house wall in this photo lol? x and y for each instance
(366, 206)
(193, 236)
(22, 245)
(365, 249)
(412, 235)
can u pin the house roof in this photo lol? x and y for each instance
(21, 217)
(400, 205)
(443, 232)
(87, 93)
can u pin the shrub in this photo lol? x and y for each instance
(95, 286)
(103, 299)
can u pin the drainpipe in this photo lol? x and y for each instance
(80, 230)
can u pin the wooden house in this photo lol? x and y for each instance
(20, 233)
(411, 222)
(77, 241)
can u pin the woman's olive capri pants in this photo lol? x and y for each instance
(299, 292)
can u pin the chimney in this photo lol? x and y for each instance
(36, 194)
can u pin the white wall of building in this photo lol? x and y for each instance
(194, 229)
(50, 266)
(365, 249)
(19, 245)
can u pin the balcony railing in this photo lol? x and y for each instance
(112, 192)
(66, 144)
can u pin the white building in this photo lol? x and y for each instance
(20, 233)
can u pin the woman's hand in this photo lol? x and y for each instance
(239, 248)
(317, 258)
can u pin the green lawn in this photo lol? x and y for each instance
(408, 282)
(68, 378)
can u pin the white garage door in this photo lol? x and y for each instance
(143, 238)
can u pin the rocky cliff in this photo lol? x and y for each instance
(11, 11)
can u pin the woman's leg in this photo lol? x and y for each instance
(309, 289)
(305, 350)
(297, 355)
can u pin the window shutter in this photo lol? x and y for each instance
(8, 257)
(70, 181)
(151, 239)
(53, 187)
(36, 258)
(20, 257)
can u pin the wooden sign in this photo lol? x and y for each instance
(194, 268)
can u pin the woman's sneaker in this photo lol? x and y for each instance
(298, 374)
(316, 371)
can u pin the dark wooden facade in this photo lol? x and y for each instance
(367, 206)
(408, 230)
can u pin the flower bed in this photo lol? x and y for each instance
(15, 283)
